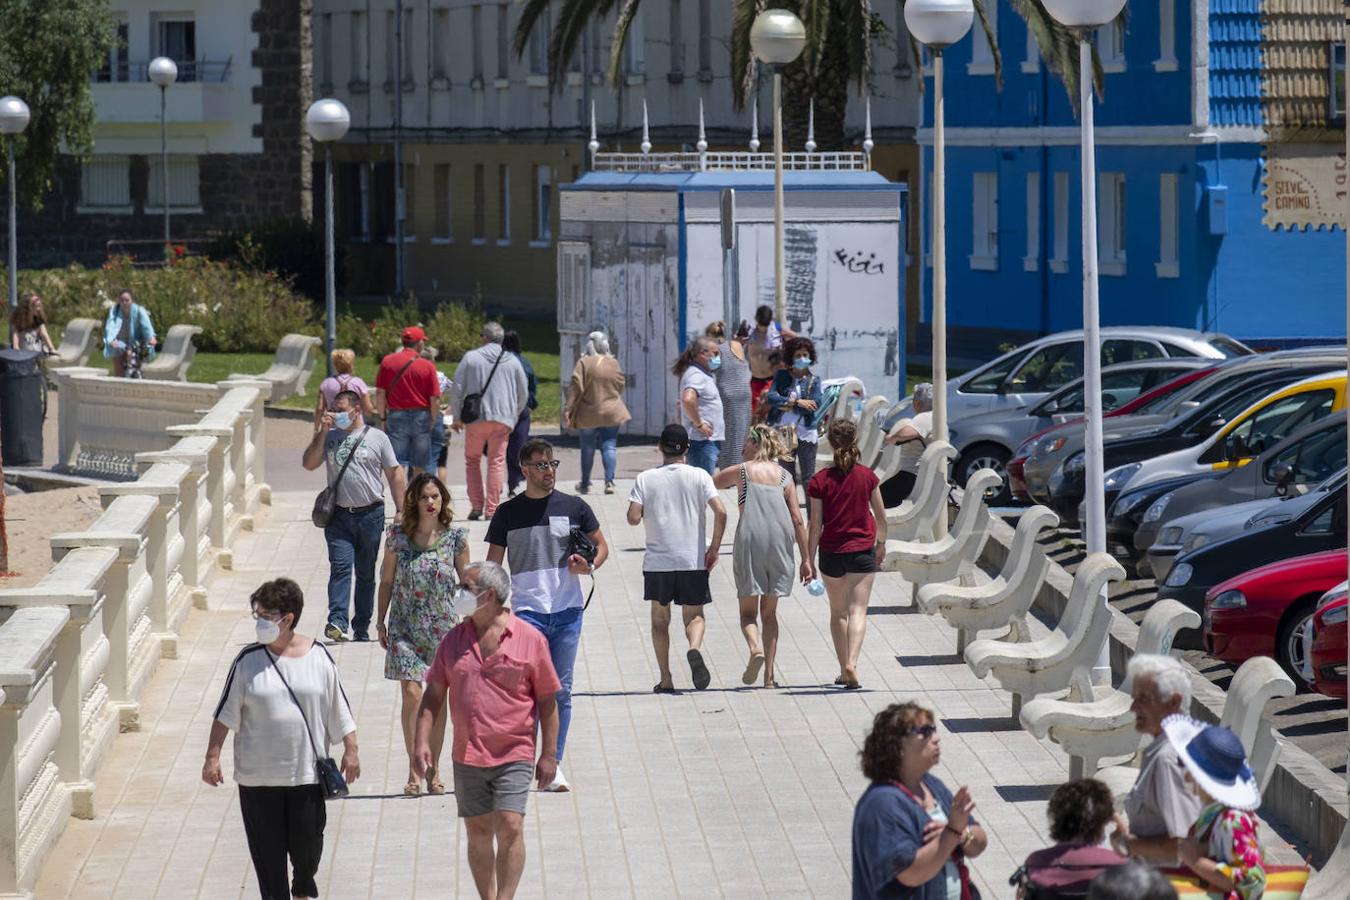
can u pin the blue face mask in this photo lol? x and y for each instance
(715, 363)
(802, 364)
(343, 420)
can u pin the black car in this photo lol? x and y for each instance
(1319, 527)
(1182, 431)
(1124, 515)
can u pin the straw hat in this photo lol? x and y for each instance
(1215, 758)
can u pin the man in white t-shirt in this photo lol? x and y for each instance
(678, 559)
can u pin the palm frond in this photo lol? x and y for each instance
(815, 16)
(626, 15)
(531, 12)
(743, 14)
(858, 29)
(569, 31)
(1059, 49)
(992, 36)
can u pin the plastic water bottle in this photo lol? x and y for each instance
(815, 587)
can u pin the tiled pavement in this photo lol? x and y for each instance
(732, 792)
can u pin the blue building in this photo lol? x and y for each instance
(1183, 135)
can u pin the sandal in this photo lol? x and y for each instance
(841, 681)
(434, 784)
(662, 689)
(771, 684)
(412, 788)
(752, 669)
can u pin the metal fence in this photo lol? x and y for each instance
(720, 161)
(206, 71)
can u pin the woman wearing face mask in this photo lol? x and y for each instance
(795, 399)
(277, 689)
(424, 560)
(700, 403)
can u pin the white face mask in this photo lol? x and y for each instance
(464, 604)
(266, 630)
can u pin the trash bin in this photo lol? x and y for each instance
(21, 407)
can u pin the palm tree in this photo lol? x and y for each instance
(839, 39)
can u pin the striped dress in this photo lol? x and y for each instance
(733, 383)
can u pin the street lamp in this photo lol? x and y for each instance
(327, 121)
(777, 38)
(1083, 17)
(14, 118)
(164, 72)
(937, 24)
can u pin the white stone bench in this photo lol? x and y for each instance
(35, 803)
(1004, 601)
(870, 433)
(175, 355)
(78, 342)
(852, 389)
(1064, 657)
(917, 518)
(954, 554)
(1256, 682)
(1104, 727)
(888, 462)
(291, 366)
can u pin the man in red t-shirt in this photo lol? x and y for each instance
(408, 398)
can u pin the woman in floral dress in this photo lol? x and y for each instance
(424, 559)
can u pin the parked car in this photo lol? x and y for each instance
(1263, 612)
(1124, 515)
(1320, 527)
(1307, 457)
(1159, 414)
(987, 440)
(1326, 653)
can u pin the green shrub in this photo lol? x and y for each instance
(452, 328)
(293, 248)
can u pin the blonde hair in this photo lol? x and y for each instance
(843, 437)
(766, 444)
(344, 361)
(716, 330)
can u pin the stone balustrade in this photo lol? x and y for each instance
(78, 648)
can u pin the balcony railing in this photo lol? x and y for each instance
(206, 71)
(728, 161)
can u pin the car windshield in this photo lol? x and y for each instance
(1229, 347)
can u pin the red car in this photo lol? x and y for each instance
(1263, 612)
(1328, 644)
(1016, 477)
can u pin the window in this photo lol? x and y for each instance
(503, 205)
(1271, 424)
(676, 40)
(115, 67)
(360, 66)
(543, 205)
(1118, 388)
(981, 55)
(325, 40)
(1167, 37)
(1118, 350)
(183, 185)
(442, 230)
(705, 39)
(1330, 519)
(408, 195)
(1167, 265)
(394, 44)
(1313, 459)
(1031, 261)
(1060, 261)
(105, 185)
(440, 47)
(356, 196)
(1111, 223)
(384, 206)
(503, 44)
(1032, 63)
(479, 204)
(177, 39)
(597, 62)
(1336, 91)
(989, 380)
(1050, 368)
(538, 46)
(476, 24)
(635, 48)
(1111, 45)
(984, 209)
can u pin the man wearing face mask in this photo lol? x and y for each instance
(496, 670)
(354, 532)
(701, 402)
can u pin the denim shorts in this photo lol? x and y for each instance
(480, 790)
(409, 432)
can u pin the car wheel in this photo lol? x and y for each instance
(987, 456)
(1290, 649)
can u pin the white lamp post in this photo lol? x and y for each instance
(937, 24)
(164, 72)
(1083, 17)
(327, 121)
(777, 38)
(14, 118)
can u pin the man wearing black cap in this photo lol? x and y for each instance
(678, 559)
(408, 398)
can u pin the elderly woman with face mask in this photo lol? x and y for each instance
(596, 409)
(912, 435)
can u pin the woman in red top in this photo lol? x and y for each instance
(848, 526)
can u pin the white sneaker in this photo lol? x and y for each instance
(559, 783)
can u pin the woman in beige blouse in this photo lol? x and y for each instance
(595, 408)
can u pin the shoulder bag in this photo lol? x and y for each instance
(471, 408)
(326, 503)
(330, 775)
(579, 543)
(393, 384)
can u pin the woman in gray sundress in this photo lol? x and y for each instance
(733, 384)
(770, 522)
(424, 560)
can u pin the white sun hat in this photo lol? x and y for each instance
(1215, 758)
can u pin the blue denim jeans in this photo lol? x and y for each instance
(563, 631)
(353, 543)
(409, 430)
(608, 441)
(519, 435)
(437, 442)
(703, 455)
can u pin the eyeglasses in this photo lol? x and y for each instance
(923, 732)
(257, 616)
(547, 465)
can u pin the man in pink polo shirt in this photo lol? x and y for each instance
(497, 672)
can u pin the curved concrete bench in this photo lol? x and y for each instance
(953, 554)
(870, 432)
(1064, 657)
(842, 408)
(1105, 726)
(175, 355)
(888, 462)
(917, 519)
(78, 342)
(1257, 681)
(291, 366)
(1007, 599)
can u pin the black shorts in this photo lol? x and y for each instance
(688, 588)
(441, 457)
(837, 565)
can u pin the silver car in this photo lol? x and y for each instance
(999, 432)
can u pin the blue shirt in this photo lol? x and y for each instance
(142, 331)
(887, 834)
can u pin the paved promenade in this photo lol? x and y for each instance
(731, 792)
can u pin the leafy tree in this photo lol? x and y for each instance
(48, 50)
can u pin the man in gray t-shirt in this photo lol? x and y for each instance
(354, 532)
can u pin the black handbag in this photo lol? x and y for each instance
(580, 544)
(326, 503)
(471, 407)
(325, 767)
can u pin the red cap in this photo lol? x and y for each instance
(412, 334)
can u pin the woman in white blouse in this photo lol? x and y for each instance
(277, 688)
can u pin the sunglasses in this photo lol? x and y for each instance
(923, 731)
(546, 465)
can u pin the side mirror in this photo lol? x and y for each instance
(1049, 408)
(1003, 389)
(1234, 448)
(1284, 478)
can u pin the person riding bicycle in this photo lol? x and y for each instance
(127, 328)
